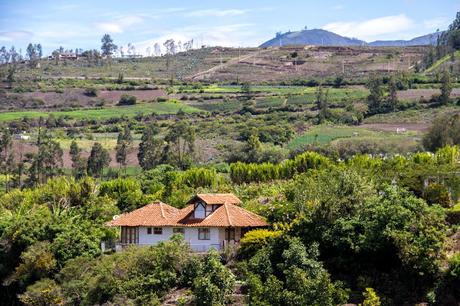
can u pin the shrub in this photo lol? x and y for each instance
(90, 92)
(214, 283)
(371, 298)
(43, 292)
(255, 240)
(127, 100)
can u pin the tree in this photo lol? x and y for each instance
(445, 130)
(180, 145)
(392, 99)
(39, 50)
(170, 46)
(150, 147)
(99, 158)
(31, 52)
(375, 97)
(446, 88)
(108, 47)
(170, 50)
(78, 163)
(246, 91)
(253, 149)
(47, 162)
(322, 104)
(124, 141)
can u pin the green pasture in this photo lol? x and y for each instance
(160, 108)
(324, 134)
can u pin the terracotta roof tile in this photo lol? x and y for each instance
(155, 214)
(160, 214)
(216, 198)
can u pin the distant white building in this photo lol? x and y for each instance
(208, 221)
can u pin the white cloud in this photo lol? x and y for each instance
(338, 7)
(119, 25)
(15, 35)
(436, 23)
(216, 13)
(372, 28)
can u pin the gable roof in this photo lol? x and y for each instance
(163, 215)
(226, 215)
(216, 198)
(154, 214)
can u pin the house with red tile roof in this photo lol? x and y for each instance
(208, 221)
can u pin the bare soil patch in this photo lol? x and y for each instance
(142, 95)
(417, 94)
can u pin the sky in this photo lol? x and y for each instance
(81, 24)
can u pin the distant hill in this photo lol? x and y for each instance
(311, 37)
(321, 37)
(429, 39)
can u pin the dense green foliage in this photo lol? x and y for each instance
(340, 227)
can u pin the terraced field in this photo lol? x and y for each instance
(159, 108)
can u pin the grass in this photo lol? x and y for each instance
(325, 134)
(159, 108)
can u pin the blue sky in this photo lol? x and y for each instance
(81, 23)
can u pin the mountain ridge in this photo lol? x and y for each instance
(328, 38)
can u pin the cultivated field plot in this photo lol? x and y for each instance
(73, 98)
(360, 139)
(159, 108)
(425, 116)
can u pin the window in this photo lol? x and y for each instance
(204, 234)
(129, 235)
(149, 231)
(157, 230)
(178, 230)
(200, 211)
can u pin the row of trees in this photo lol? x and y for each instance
(448, 42)
(176, 148)
(171, 47)
(383, 97)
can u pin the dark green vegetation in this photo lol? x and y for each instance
(341, 227)
(355, 167)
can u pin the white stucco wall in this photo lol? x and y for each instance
(190, 236)
(152, 239)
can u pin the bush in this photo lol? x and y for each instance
(371, 298)
(255, 240)
(44, 292)
(90, 92)
(127, 193)
(214, 283)
(127, 100)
